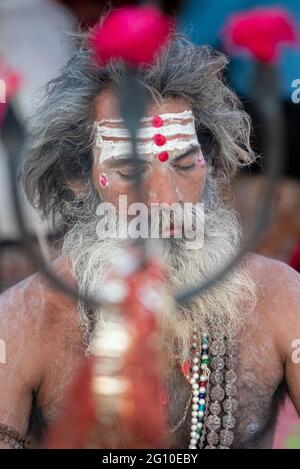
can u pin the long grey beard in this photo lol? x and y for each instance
(221, 310)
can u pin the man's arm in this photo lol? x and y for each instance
(279, 304)
(288, 329)
(20, 362)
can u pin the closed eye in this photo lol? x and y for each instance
(185, 168)
(187, 162)
(127, 177)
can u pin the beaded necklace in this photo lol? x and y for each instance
(212, 378)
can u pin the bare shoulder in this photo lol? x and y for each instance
(31, 314)
(275, 279)
(39, 344)
(278, 297)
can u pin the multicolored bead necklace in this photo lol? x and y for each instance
(212, 378)
(199, 381)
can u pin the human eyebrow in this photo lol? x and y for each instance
(188, 152)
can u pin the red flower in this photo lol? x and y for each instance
(262, 31)
(131, 33)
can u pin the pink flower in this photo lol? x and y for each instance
(261, 31)
(9, 86)
(134, 34)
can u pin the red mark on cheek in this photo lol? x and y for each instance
(103, 180)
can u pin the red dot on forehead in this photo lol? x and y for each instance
(163, 156)
(159, 139)
(157, 121)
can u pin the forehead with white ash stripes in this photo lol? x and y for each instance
(164, 136)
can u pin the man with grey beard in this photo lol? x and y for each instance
(191, 141)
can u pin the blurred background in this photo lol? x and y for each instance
(35, 41)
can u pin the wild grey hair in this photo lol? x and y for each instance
(59, 147)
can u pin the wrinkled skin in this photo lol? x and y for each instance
(45, 346)
(177, 180)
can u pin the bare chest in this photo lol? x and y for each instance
(259, 393)
(260, 389)
(255, 417)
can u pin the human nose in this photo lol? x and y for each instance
(162, 187)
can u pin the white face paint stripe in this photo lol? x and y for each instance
(123, 149)
(184, 129)
(166, 116)
(168, 131)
